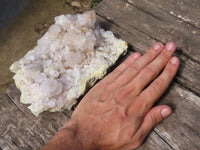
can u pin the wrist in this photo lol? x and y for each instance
(78, 135)
(70, 137)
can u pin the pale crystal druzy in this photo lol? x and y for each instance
(70, 57)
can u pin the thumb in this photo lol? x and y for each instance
(151, 119)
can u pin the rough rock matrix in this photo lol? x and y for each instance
(70, 57)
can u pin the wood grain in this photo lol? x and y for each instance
(185, 10)
(141, 23)
(142, 31)
(20, 129)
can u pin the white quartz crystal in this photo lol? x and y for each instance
(68, 59)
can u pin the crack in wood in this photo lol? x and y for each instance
(186, 86)
(174, 15)
(104, 17)
(147, 12)
(163, 139)
(189, 138)
(184, 20)
(10, 98)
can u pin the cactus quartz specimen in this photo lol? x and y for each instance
(69, 58)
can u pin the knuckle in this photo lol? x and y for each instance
(154, 120)
(124, 64)
(151, 54)
(135, 67)
(132, 87)
(123, 93)
(160, 83)
(138, 108)
(170, 72)
(121, 115)
(117, 71)
(106, 94)
(164, 55)
(143, 106)
(151, 70)
(119, 96)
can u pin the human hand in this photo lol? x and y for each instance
(117, 113)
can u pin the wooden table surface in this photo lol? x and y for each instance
(141, 23)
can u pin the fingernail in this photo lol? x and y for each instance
(170, 46)
(136, 55)
(165, 112)
(157, 46)
(174, 60)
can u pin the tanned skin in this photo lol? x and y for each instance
(118, 113)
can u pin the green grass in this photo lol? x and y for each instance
(94, 3)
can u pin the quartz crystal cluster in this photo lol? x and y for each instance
(68, 59)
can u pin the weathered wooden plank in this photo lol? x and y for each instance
(13, 134)
(189, 72)
(154, 142)
(21, 130)
(155, 23)
(184, 10)
(179, 131)
(182, 129)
